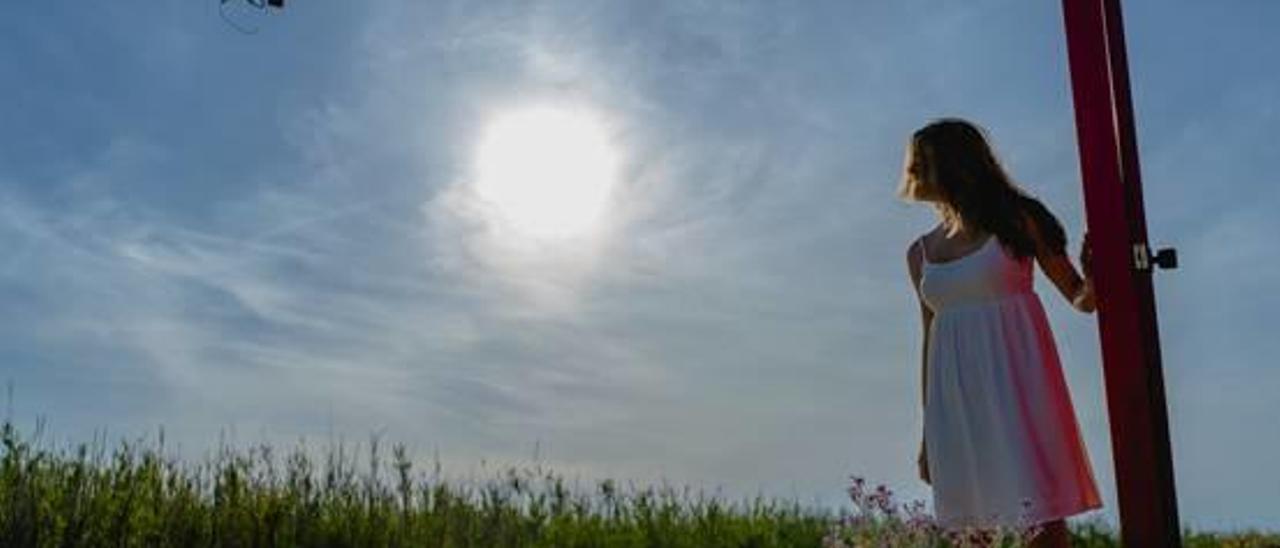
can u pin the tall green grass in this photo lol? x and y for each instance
(138, 496)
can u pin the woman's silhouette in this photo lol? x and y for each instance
(1001, 446)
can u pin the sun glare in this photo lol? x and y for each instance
(546, 171)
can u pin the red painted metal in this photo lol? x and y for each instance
(1126, 305)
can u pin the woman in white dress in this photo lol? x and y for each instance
(1001, 445)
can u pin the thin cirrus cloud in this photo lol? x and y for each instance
(272, 232)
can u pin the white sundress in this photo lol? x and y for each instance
(1001, 436)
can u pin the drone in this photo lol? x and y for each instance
(258, 5)
(261, 4)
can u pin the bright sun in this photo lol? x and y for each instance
(546, 171)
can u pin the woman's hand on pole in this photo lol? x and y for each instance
(1084, 299)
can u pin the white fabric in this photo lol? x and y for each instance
(1001, 435)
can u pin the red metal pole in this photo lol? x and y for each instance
(1122, 273)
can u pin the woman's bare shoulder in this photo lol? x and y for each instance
(915, 251)
(924, 238)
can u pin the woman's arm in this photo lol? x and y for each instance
(1057, 266)
(926, 318)
(926, 314)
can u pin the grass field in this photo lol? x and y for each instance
(136, 496)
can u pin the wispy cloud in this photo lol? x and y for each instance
(276, 232)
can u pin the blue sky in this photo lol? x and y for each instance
(261, 234)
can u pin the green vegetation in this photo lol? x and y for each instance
(138, 497)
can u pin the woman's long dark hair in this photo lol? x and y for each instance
(950, 164)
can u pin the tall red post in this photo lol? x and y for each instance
(1122, 268)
